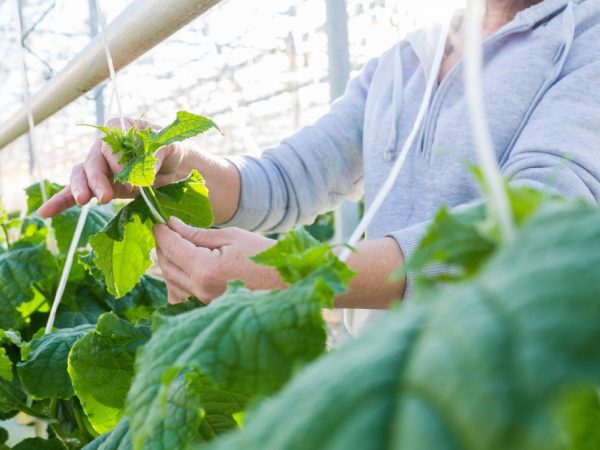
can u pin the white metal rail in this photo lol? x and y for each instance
(140, 27)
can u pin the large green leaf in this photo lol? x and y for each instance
(44, 370)
(122, 248)
(40, 444)
(20, 270)
(149, 295)
(124, 261)
(248, 343)
(64, 226)
(186, 420)
(101, 368)
(84, 308)
(582, 419)
(187, 200)
(482, 369)
(6, 367)
(462, 241)
(34, 194)
(118, 439)
(185, 126)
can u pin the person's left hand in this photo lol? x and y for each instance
(198, 262)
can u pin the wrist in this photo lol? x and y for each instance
(375, 261)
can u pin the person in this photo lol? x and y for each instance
(542, 94)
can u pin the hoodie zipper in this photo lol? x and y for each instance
(430, 124)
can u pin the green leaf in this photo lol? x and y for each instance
(138, 172)
(149, 295)
(220, 409)
(138, 147)
(181, 395)
(64, 226)
(101, 368)
(482, 368)
(20, 270)
(33, 230)
(462, 241)
(122, 248)
(3, 435)
(11, 336)
(86, 311)
(34, 194)
(297, 255)
(187, 200)
(118, 439)
(581, 415)
(40, 444)
(186, 125)
(6, 366)
(44, 370)
(454, 239)
(124, 261)
(248, 343)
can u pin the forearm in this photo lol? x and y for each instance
(374, 263)
(222, 180)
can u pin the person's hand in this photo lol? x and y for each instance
(94, 177)
(198, 262)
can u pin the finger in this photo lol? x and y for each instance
(212, 239)
(179, 284)
(173, 273)
(178, 249)
(98, 173)
(79, 186)
(57, 204)
(176, 279)
(175, 294)
(111, 158)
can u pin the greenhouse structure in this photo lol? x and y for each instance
(300, 225)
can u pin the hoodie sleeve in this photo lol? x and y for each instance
(558, 150)
(310, 172)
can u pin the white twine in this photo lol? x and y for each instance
(36, 171)
(117, 97)
(67, 267)
(484, 148)
(399, 163)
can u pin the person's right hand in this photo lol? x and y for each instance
(95, 176)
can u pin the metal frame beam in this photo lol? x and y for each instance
(142, 26)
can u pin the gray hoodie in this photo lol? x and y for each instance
(542, 94)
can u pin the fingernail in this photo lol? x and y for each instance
(176, 221)
(99, 195)
(76, 196)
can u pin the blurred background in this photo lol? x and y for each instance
(260, 69)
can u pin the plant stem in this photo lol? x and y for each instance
(6, 237)
(22, 406)
(150, 198)
(83, 423)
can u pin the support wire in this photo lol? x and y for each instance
(113, 80)
(399, 163)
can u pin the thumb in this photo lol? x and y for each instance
(211, 239)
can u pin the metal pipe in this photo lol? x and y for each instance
(143, 25)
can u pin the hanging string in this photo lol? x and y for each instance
(113, 79)
(399, 163)
(348, 315)
(35, 169)
(499, 203)
(64, 278)
(67, 267)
